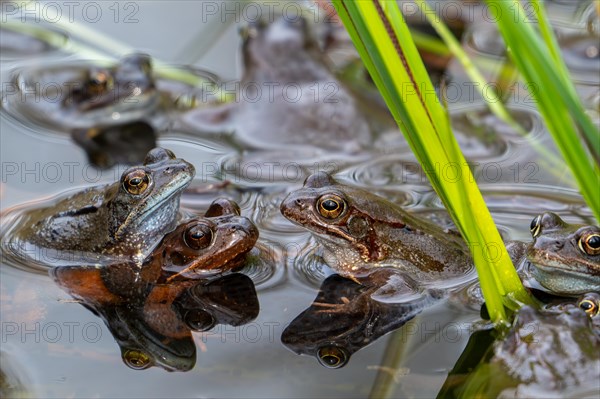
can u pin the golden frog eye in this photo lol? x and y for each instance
(198, 236)
(590, 244)
(331, 206)
(588, 306)
(332, 357)
(98, 82)
(536, 226)
(137, 360)
(136, 182)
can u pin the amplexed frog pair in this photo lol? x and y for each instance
(135, 222)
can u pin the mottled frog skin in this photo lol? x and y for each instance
(565, 258)
(127, 218)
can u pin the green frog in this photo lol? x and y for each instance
(82, 96)
(564, 258)
(127, 218)
(287, 96)
(359, 229)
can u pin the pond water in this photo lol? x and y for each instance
(54, 347)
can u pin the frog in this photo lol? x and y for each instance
(187, 283)
(287, 97)
(197, 248)
(127, 218)
(349, 314)
(125, 144)
(360, 230)
(85, 95)
(564, 258)
(550, 352)
(153, 328)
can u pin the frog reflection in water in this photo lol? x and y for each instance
(127, 218)
(287, 97)
(152, 309)
(564, 258)
(360, 230)
(347, 315)
(547, 353)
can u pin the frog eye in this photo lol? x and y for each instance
(590, 244)
(136, 182)
(536, 226)
(136, 360)
(588, 306)
(332, 357)
(331, 206)
(98, 82)
(199, 236)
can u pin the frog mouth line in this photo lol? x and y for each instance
(550, 265)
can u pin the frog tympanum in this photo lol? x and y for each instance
(564, 258)
(349, 314)
(126, 218)
(287, 96)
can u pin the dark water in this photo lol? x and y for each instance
(53, 347)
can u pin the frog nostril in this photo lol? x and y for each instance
(557, 245)
(298, 202)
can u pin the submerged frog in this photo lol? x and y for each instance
(287, 97)
(127, 218)
(359, 229)
(547, 353)
(83, 96)
(564, 258)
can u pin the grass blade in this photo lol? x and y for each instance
(383, 40)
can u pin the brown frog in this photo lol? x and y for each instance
(359, 229)
(287, 96)
(196, 249)
(126, 218)
(348, 315)
(564, 258)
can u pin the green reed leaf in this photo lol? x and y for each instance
(556, 98)
(384, 43)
